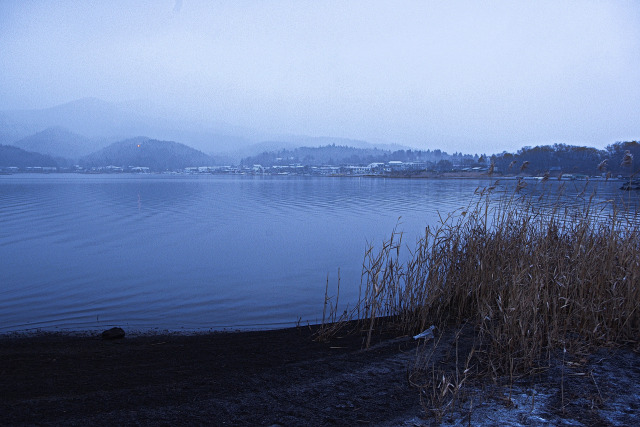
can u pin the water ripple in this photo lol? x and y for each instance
(200, 252)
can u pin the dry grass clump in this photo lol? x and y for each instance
(530, 275)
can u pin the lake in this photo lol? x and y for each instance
(194, 253)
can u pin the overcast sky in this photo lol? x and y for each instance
(471, 76)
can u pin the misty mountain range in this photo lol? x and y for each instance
(11, 156)
(80, 127)
(145, 152)
(93, 133)
(102, 123)
(57, 142)
(46, 148)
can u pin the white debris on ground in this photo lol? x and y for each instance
(427, 334)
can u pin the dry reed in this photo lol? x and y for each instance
(530, 275)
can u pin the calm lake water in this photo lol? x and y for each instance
(144, 252)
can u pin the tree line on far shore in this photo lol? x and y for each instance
(616, 159)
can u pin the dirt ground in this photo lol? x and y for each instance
(286, 378)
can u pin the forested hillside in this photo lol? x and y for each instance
(16, 157)
(571, 159)
(144, 152)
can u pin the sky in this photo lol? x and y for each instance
(469, 76)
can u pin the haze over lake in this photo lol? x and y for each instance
(456, 75)
(184, 252)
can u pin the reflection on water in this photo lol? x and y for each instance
(181, 252)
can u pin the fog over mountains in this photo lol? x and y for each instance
(80, 127)
(16, 157)
(153, 154)
(57, 142)
(95, 134)
(102, 123)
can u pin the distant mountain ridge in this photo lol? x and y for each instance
(104, 122)
(11, 156)
(145, 152)
(101, 120)
(58, 142)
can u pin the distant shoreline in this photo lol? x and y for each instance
(445, 175)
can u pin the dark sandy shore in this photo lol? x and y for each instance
(281, 377)
(287, 378)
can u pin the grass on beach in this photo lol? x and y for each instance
(530, 274)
